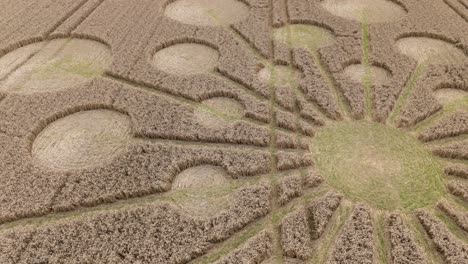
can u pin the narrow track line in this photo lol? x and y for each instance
(456, 10)
(447, 140)
(45, 37)
(217, 145)
(324, 245)
(428, 121)
(119, 204)
(339, 97)
(258, 56)
(423, 239)
(367, 81)
(277, 255)
(297, 90)
(21, 64)
(437, 116)
(250, 44)
(344, 107)
(232, 243)
(464, 3)
(88, 14)
(248, 232)
(381, 238)
(250, 91)
(182, 99)
(451, 225)
(405, 93)
(63, 19)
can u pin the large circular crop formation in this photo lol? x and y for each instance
(234, 131)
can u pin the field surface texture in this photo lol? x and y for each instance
(234, 131)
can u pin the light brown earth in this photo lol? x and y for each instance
(234, 131)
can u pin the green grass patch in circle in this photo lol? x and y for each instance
(378, 165)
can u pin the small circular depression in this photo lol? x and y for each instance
(203, 190)
(279, 75)
(84, 139)
(449, 95)
(203, 176)
(374, 11)
(207, 12)
(219, 112)
(359, 73)
(186, 59)
(378, 165)
(53, 65)
(431, 51)
(304, 36)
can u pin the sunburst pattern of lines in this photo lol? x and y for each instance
(306, 214)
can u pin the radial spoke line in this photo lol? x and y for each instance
(340, 99)
(86, 16)
(46, 36)
(318, 110)
(447, 110)
(124, 203)
(258, 56)
(324, 245)
(429, 249)
(225, 247)
(64, 18)
(199, 143)
(277, 250)
(367, 81)
(447, 140)
(21, 64)
(453, 6)
(381, 238)
(428, 121)
(184, 100)
(297, 90)
(249, 91)
(405, 93)
(453, 227)
(250, 47)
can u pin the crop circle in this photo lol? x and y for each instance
(53, 65)
(373, 11)
(304, 36)
(381, 166)
(202, 176)
(207, 12)
(279, 75)
(81, 140)
(358, 73)
(431, 51)
(186, 59)
(201, 190)
(450, 95)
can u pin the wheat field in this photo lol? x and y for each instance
(234, 131)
